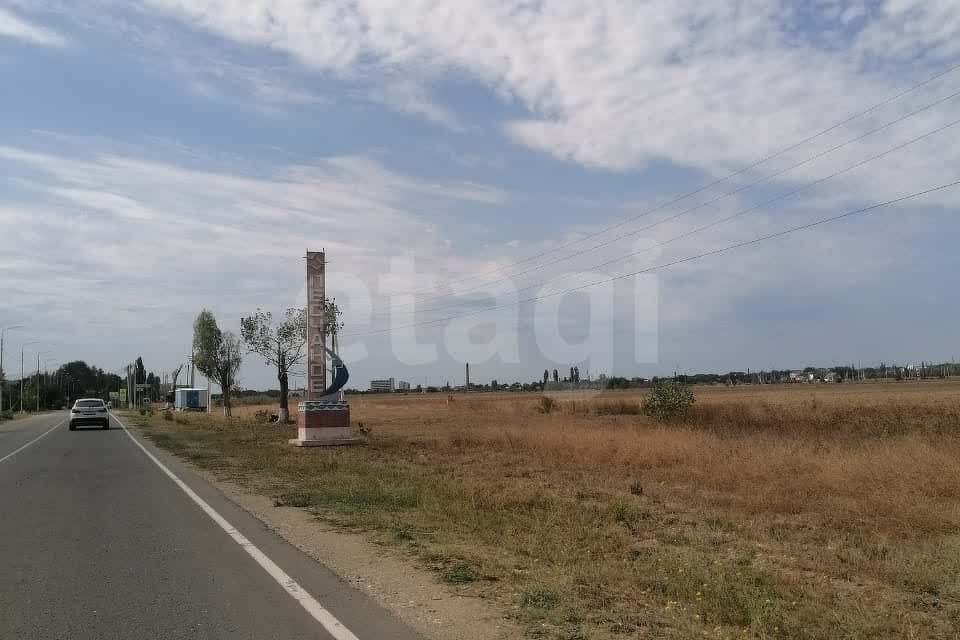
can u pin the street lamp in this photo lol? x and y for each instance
(22, 374)
(3, 381)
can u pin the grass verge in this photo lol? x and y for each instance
(781, 516)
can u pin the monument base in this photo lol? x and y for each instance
(323, 423)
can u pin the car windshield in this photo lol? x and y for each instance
(89, 404)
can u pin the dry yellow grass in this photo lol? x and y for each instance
(768, 512)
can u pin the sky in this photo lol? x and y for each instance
(466, 164)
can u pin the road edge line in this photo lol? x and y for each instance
(16, 451)
(326, 619)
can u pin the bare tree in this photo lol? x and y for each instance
(227, 366)
(332, 323)
(283, 346)
(174, 376)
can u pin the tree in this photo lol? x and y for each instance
(174, 376)
(332, 322)
(227, 366)
(140, 372)
(217, 355)
(546, 376)
(154, 381)
(206, 341)
(556, 376)
(283, 346)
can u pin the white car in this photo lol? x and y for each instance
(89, 411)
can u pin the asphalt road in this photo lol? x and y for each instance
(97, 542)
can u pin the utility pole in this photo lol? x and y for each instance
(3, 381)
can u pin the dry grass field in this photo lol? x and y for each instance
(804, 511)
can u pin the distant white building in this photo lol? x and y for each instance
(383, 386)
(403, 385)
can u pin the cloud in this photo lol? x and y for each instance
(108, 211)
(12, 26)
(169, 239)
(620, 85)
(411, 98)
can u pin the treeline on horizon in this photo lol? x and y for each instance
(78, 379)
(58, 387)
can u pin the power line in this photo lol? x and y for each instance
(722, 220)
(698, 256)
(716, 182)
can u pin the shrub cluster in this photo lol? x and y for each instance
(667, 400)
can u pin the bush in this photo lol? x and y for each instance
(459, 573)
(668, 399)
(6, 415)
(547, 404)
(167, 415)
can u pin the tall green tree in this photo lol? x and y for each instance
(217, 354)
(283, 346)
(141, 372)
(206, 341)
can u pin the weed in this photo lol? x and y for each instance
(541, 598)
(459, 573)
(620, 511)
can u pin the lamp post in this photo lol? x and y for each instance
(3, 381)
(22, 375)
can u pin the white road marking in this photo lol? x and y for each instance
(333, 626)
(10, 455)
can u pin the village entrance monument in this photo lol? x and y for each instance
(323, 418)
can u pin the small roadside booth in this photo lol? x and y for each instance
(191, 400)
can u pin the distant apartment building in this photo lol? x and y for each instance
(383, 386)
(403, 385)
